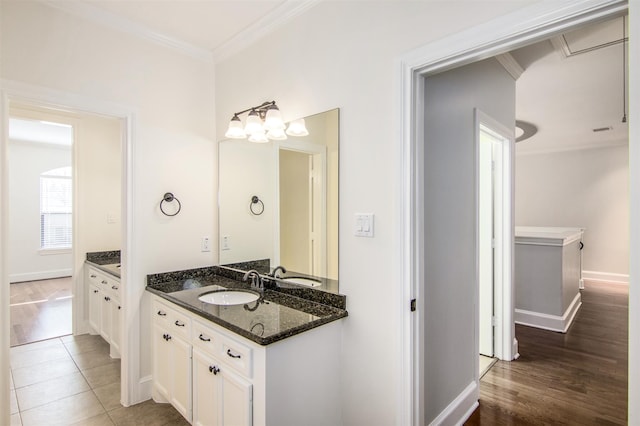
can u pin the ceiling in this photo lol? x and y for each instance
(570, 85)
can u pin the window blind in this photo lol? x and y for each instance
(56, 209)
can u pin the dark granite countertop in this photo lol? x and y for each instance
(276, 316)
(106, 261)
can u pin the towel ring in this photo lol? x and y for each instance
(169, 198)
(256, 200)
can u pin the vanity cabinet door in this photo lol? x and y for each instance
(116, 323)
(95, 303)
(221, 397)
(161, 363)
(105, 313)
(181, 376)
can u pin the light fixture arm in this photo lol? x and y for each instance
(260, 109)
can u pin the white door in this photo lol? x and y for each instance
(206, 390)
(181, 376)
(485, 244)
(494, 241)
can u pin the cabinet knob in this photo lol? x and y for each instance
(114, 287)
(232, 355)
(93, 276)
(162, 314)
(107, 298)
(166, 337)
(213, 369)
(119, 307)
(204, 339)
(104, 282)
(95, 291)
(179, 324)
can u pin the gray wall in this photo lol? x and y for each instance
(583, 188)
(450, 221)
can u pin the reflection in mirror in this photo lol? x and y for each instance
(296, 181)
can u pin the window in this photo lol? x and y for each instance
(55, 209)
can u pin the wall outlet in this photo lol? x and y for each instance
(226, 242)
(205, 244)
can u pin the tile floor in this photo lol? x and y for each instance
(71, 380)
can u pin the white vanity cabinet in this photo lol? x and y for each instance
(220, 397)
(105, 309)
(172, 358)
(235, 381)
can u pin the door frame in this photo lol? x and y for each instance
(528, 25)
(505, 345)
(311, 149)
(13, 91)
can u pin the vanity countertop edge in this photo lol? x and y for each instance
(169, 291)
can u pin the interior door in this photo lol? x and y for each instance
(486, 242)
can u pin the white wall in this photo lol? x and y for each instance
(450, 348)
(581, 188)
(172, 98)
(352, 66)
(27, 162)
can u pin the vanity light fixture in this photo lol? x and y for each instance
(263, 123)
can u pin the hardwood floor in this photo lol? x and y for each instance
(577, 378)
(40, 310)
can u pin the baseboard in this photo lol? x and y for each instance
(461, 408)
(145, 385)
(42, 275)
(550, 322)
(609, 277)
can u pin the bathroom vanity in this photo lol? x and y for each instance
(102, 278)
(548, 273)
(272, 361)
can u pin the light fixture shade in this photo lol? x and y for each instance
(276, 134)
(273, 119)
(235, 130)
(297, 128)
(258, 137)
(253, 124)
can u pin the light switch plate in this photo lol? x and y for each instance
(226, 243)
(364, 225)
(205, 244)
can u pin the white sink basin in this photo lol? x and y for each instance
(229, 297)
(309, 282)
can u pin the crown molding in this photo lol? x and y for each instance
(265, 25)
(92, 13)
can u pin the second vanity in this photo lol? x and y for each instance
(272, 361)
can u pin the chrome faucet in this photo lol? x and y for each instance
(274, 273)
(256, 279)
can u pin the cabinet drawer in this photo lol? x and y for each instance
(206, 339)
(94, 276)
(114, 287)
(172, 320)
(234, 354)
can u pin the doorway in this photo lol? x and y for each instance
(40, 224)
(302, 194)
(487, 40)
(495, 249)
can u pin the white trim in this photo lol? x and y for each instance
(547, 321)
(54, 251)
(4, 261)
(510, 64)
(66, 101)
(42, 275)
(461, 408)
(553, 150)
(86, 11)
(610, 277)
(259, 29)
(536, 22)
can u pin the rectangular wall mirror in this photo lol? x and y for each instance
(279, 200)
